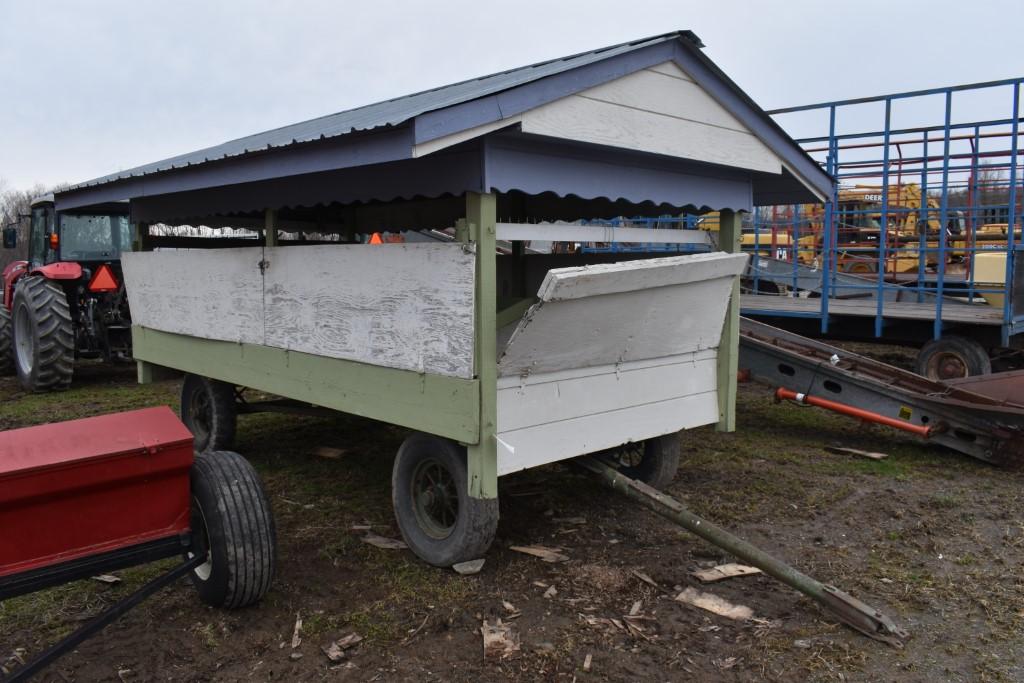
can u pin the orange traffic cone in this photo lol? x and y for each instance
(375, 239)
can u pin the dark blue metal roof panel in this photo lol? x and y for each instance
(390, 112)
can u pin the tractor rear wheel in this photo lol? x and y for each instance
(44, 337)
(6, 352)
(208, 410)
(233, 526)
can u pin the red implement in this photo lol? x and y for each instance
(72, 490)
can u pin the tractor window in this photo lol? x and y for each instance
(93, 237)
(41, 227)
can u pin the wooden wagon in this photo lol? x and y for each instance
(498, 358)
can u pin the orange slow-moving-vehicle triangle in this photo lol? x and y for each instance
(103, 280)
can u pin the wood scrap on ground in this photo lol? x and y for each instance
(500, 641)
(296, 637)
(336, 651)
(871, 455)
(383, 542)
(543, 552)
(468, 568)
(725, 571)
(329, 452)
(714, 604)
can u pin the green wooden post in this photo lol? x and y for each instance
(729, 348)
(142, 241)
(481, 218)
(145, 372)
(270, 228)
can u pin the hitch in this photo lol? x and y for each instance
(846, 608)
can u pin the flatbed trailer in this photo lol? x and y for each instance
(958, 294)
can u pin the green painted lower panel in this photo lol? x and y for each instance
(444, 406)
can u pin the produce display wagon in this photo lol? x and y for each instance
(498, 358)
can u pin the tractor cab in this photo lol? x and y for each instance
(67, 300)
(95, 235)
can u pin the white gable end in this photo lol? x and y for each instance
(659, 110)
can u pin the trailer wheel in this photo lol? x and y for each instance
(653, 461)
(439, 520)
(6, 352)
(43, 335)
(233, 525)
(953, 357)
(208, 410)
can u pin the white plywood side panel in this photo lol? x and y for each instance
(406, 306)
(670, 69)
(559, 396)
(542, 444)
(600, 123)
(208, 293)
(616, 313)
(437, 144)
(663, 94)
(657, 110)
(612, 278)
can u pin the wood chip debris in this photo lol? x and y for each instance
(511, 611)
(725, 571)
(329, 453)
(296, 632)
(714, 604)
(469, 567)
(871, 455)
(550, 592)
(635, 609)
(336, 651)
(645, 578)
(570, 520)
(383, 542)
(543, 552)
(587, 661)
(500, 641)
(107, 578)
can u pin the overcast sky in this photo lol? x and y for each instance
(89, 88)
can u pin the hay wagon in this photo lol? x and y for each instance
(497, 357)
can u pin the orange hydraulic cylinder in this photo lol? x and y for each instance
(866, 415)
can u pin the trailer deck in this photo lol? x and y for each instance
(966, 314)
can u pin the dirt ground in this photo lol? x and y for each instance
(931, 538)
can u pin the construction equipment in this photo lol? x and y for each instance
(68, 300)
(810, 372)
(91, 496)
(846, 608)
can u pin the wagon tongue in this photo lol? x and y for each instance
(846, 608)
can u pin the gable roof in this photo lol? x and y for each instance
(469, 103)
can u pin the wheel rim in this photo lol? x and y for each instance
(201, 415)
(435, 499)
(630, 455)
(201, 542)
(947, 365)
(23, 340)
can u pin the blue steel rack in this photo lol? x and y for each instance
(976, 178)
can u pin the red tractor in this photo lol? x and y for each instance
(67, 301)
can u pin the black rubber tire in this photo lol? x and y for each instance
(48, 339)
(952, 357)
(475, 519)
(6, 348)
(658, 462)
(209, 411)
(233, 523)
